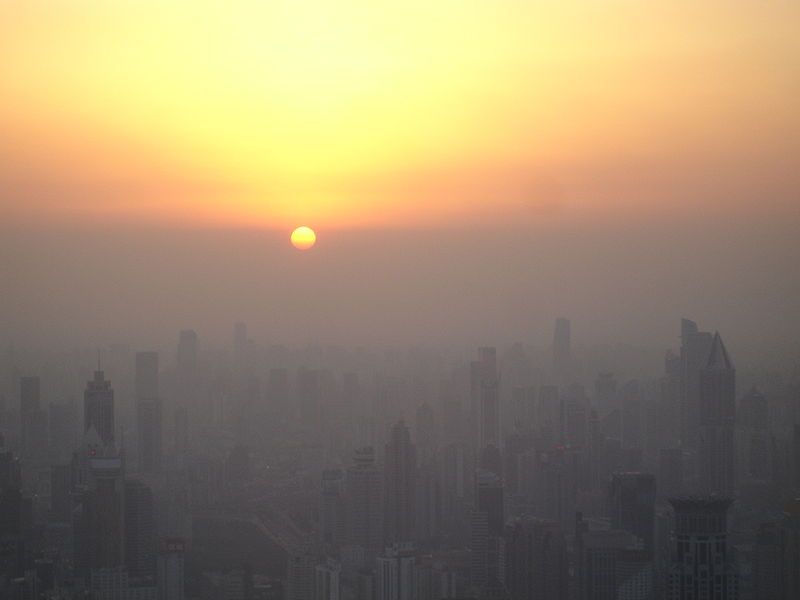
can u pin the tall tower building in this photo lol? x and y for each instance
(716, 451)
(755, 436)
(100, 530)
(632, 504)
(487, 522)
(98, 407)
(695, 346)
(484, 384)
(328, 580)
(364, 488)
(33, 419)
(400, 471)
(703, 565)
(140, 532)
(395, 574)
(536, 560)
(148, 412)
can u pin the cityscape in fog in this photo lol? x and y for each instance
(419, 300)
(250, 470)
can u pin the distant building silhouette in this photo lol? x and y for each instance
(536, 560)
(98, 407)
(695, 346)
(716, 450)
(632, 500)
(400, 472)
(364, 486)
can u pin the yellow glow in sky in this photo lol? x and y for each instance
(351, 112)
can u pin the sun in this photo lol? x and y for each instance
(303, 238)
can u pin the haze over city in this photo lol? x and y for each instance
(339, 299)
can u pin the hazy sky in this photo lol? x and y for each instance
(621, 162)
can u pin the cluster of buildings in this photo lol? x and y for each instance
(266, 474)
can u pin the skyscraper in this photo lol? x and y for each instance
(703, 566)
(148, 412)
(33, 419)
(716, 451)
(536, 560)
(395, 573)
(484, 383)
(98, 407)
(632, 500)
(140, 541)
(487, 528)
(400, 473)
(695, 346)
(364, 488)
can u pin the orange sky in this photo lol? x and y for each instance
(352, 113)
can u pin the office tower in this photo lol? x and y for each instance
(755, 439)
(400, 471)
(703, 565)
(332, 510)
(63, 429)
(716, 451)
(300, 575)
(562, 350)
(394, 573)
(33, 420)
(632, 505)
(328, 580)
(485, 398)
(536, 560)
(140, 540)
(364, 488)
(171, 570)
(666, 431)
(148, 409)
(487, 529)
(695, 347)
(100, 530)
(98, 408)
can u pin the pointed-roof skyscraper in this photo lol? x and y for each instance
(716, 450)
